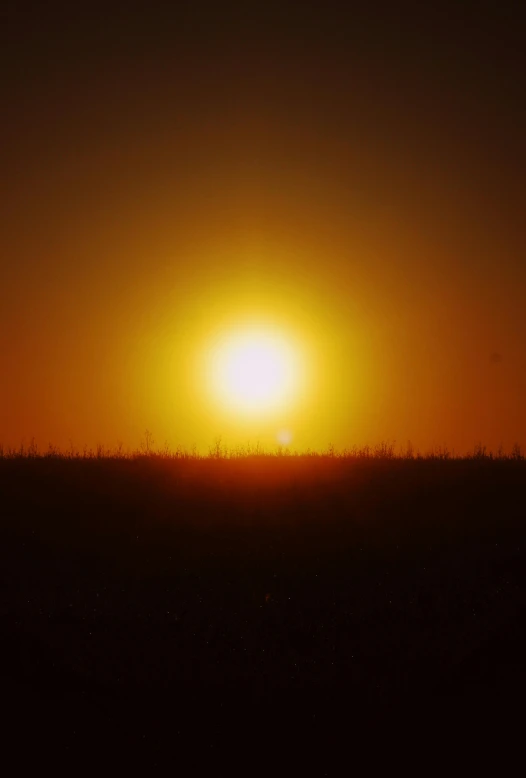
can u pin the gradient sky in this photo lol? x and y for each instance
(356, 177)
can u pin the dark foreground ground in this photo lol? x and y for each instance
(152, 607)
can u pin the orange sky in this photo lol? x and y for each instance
(355, 183)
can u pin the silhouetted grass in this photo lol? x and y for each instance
(157, 592)
(219, 450)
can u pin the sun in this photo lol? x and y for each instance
(254, 371)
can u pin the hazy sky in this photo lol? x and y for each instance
(355, 177)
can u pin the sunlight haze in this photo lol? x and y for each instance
(157, 200)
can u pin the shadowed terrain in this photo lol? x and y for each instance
(156, 600)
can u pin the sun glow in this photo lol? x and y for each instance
(254, 371)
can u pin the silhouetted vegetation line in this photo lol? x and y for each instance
(219, 451)
(156, 588)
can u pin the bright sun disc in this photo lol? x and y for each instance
(254, 371)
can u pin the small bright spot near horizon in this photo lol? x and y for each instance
(254, 371)
(284, 437)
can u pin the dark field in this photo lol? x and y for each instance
(155, 604)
